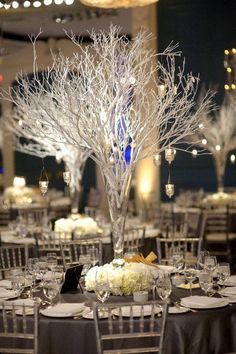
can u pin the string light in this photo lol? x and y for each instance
(232, 158)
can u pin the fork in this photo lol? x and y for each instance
(177, 304)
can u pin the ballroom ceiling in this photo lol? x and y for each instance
(17, 25)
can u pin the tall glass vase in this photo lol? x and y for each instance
(220, 164)
(118, 204)
(75, 197)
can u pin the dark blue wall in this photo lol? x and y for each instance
(203, 29)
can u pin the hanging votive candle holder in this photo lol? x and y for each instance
(43, 186)
(66, 177)
(169, 154)
(157, 160)
(170, 189)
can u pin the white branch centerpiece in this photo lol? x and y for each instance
(218, 136)
(27, 133)
(103, 91)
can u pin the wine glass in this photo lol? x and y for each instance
(223, 272)
(190, 274)
(50, 288)
(17, 281)
(177, 258)
(51, 260)
(41, 267)
(210, 263)
(201, 258)
(206, 282)
(102, 286)
(163, 286)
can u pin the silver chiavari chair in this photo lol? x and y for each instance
(18, 335)
(128, 335)
(190, 247)
(36, 215)
(51, 243)
(74, 252)
(12, 257)
(134, 237)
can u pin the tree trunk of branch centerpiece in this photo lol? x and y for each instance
(220, 164)
(118, 204)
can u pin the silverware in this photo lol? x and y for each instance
(179, 306)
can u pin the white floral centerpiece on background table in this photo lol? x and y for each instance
(79, 224)
(124, 280)
(220, 198)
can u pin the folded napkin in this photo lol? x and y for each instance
(151, 257)
(5, 283)
(5, 293)
(187, 286)
(64, 309)
(202, 301)
(228, 291)
(231, 281)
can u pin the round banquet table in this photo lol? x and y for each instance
(202, 332)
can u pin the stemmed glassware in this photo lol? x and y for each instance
(190, 272)
(163, 286)
(177, 258)
(17, 281)
(201, 258)
(206, 282)
(51, 260)
(223, 272)
(102, 286)
(50, 288)
(210, 263)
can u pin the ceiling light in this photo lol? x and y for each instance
(58, 2)
(69, 2)
(15, 4)
(26, 3)
(47, 2)
(109, 4)
(37, 3)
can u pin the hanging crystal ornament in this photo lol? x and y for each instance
(170, 189)
(43, 183)
(169, 154)
(157, 160)
(67, 177)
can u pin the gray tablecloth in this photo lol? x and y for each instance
(204, 332)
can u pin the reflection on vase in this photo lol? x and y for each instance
(118, 205)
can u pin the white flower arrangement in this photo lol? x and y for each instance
(80, 225)
(124, 280)
(23, 195)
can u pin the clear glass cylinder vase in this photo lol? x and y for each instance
(118, 204)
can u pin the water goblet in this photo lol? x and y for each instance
(102, 286)
(190, 274)
(163, 286)
(210, 263)
(50, 289)
(17, 281)
(201, 258)
(177, 258)
(51, 260)
(206, 282)
(223, 272)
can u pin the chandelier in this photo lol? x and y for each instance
(117, 3)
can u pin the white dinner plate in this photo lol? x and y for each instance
(177, 310)
(230, 282)
(230, 291)
(218, 303)
(137, 310)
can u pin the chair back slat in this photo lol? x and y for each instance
(75, 251)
